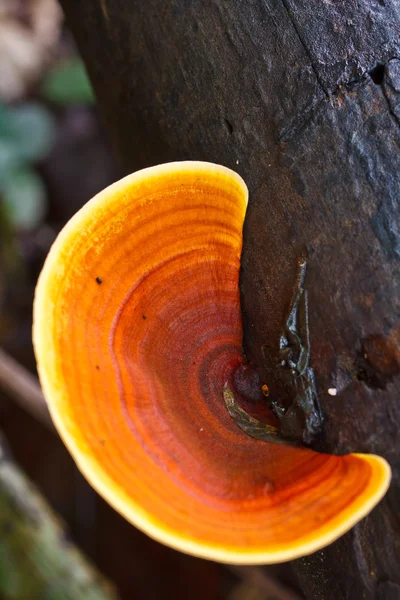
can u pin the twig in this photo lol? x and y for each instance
(23, 387)
(37, 558)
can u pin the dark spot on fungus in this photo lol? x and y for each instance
(99, 280)
(144, 317)
(97, 367)
(269, 487)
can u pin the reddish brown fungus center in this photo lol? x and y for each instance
(250, 393)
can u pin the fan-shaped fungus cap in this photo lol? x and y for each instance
(137, 328)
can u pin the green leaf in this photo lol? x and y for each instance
(9, 148)
(25, 198)
(34, 128)
(26, 135)
(68, 84)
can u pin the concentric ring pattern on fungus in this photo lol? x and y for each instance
(137, 327)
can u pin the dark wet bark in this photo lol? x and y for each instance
(303, 100)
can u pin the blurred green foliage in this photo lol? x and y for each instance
(67, 83)
(27, 132)
(25, 198)
(26, 136)
(37, 561)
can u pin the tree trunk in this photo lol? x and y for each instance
(303, 99)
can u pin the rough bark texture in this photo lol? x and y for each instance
(302, 98)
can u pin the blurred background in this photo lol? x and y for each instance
(54, 156)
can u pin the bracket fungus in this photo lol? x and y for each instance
(137, 334)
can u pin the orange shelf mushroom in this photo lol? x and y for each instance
(137, 330)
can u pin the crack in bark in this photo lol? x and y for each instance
(306, 49)
(389, 103)
(302, 119)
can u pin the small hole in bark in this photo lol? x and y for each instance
(377, 74)
(228, 126)
(377, 362)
